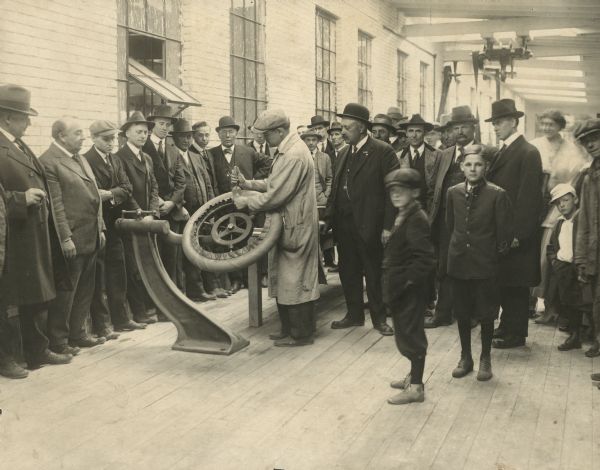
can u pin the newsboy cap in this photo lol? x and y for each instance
(405, 177)
(269, 120)
(585, 128)
(474, 149)
(102, 127)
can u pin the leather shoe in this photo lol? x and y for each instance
(220, 293)
(485, 369)
(10, 369)
(108, 334)
(65, 349)
(280, 335)
(130, 326)
(401, 384)
(235, 286)
(414, 393)
(145, 318)
(465, 366)
(292, 342)
(508, 342)
(345, 322)
(384, 329)
(48, 357)
(594, 351)
(87, 342)
(572, 342)
(437, 320)
(595, 377)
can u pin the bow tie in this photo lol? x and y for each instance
(227, 151)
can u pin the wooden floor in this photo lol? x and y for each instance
(136, 404)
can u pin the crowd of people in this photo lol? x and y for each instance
(437, 226)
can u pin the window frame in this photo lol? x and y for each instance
(423, 70)
(327, 110)
(365, 93)
(401, 100)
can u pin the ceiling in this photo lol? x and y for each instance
(563, 36)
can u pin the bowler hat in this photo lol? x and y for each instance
(182, 126)
(226, 122)
(462, 114)
(318, 121)
(356, 111)
(395, 113)
(504, 108)
(16, 98)
(310, 133)
(417, 120)
(136, 118)
(270, 119)
(99, 128)
(335, 126)
(163, 111)
(405, 177)
(585, 128)
(383, 120)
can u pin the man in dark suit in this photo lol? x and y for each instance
(517, 168)
(260, 145)
(361, 215)
(80, 227)
(138, 167)
(111, 274)
(382, 128)
(34, 262)
(168, 171)
(321, 125)
(396, 141)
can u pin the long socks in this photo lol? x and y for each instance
(464, 331)
(487, 332)
(416, 370)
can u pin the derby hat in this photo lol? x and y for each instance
(405, 177)
(163, 111)
(383, 120)
(356, 111)
(462, 114)
(586, 128)
(335, 126)
(417, 120)
(226, 122)
(16, 98)
(269, 120)
(504, 108)
(310, 133)
(136, 118)
(318, 121)
(182, 126)
(100, 128)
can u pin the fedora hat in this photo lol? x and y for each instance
(417, 120)
(16, 98)
(226, 122)
(163, 111)
(335, 126)
(395, 113)
(462, 114)
(383, 120)
(136, 118)
(182, 126)
(444, 122)
(356, 111)
(318, 121)
(504, 108)
(310, 133)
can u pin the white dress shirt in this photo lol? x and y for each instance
(565, 241)
(228, 157)
(136, 151)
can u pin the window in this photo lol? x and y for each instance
(423, 89)
(149, 32)
(365, 94)
(325, 65)
(401, 97)
(248, 82)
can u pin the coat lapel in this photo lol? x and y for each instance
(501, 160)
(70, 164)
(363, 156)
(16, 154)
(97, 163)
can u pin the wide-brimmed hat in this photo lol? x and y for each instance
(318, 121)
(136, 118)
(383, 120)
(462, 114)
(227, 122)
(405, 177)
(504, 108)
(417, 120)
(102, 127)
(182, 126)
(335, 126)
(16, 98)
(310, 133)
(395, 113)
(163, 111)
(590, 126)
(356, 111)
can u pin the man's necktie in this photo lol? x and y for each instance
(19, 143)
(460, 154)
(415, 157)
(261, 149)
(161, 151)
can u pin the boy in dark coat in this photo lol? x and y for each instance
(408, 263)
(478, 216)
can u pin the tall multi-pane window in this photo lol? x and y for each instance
(248, 82)
(325, 65)
(423, 89)
(365, 93)
(401, 96)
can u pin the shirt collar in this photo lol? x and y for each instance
(361, 143)
(155, 139)
(101, 153)
(197, 147)
(8, 135)
(64, 150)
(136, 151)
(421, 149)
(512, 138)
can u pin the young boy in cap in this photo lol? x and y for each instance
(477, 215)
(563, 289)
(408, 262)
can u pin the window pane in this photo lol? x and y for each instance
(319, 31)
(326, 104)
(260, 43)
(137, 14)
(237, 35)
(326, 34)
(250, 115)
(261, 83)
(238, 110)
(332, 66)
(155, 16)
(319, 95)
(250, 40)
(332, 36)
(326, 74)
(237, 75)
(250, 79)
(319, 70)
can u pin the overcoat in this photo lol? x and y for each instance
(323, 177)
(168, 172)
(290, 190)
(141, 177)
(251, 164)
(35, 262)
(76, 200)
(432, 158)
(518, 170)
(198, 188)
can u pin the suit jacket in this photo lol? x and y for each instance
(397, 145)
(372, 209)
(323, 177)
(408, 257)
(251, 164)
(75, 198)
(518, 170)
(432, 159)
(111, 177)
(267, 150)
(330, 150)
(141, 177)
(479, 224)
(198, 188)
(168, 173)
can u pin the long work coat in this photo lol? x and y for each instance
(290, 190)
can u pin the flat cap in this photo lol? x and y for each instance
(587, 127)
(405, 177)
(101, 127)
(269, 120)
(474, 149)
(561, 190)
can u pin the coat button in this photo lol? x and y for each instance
(468, 245)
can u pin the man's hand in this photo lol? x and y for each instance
(34, 196)
(515, 243)
(385, 236)
(105, 195)
(240, 202)
(68, 248)
(237, 179)
(325, 227)
(102, 240)
(581, 275)
(166, 207)
(148, 218)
